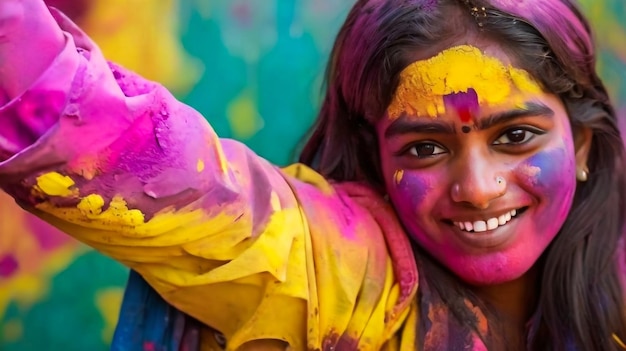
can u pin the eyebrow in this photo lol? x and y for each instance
(530, 109)
(404, 125)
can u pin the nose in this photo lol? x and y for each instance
(478, 184)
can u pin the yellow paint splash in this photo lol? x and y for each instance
(56, 184)
(117, 214)
(28, 287)
(305, 174)
(275, 202)
(108, 302)
(398, 176)
(219, 155)
(200, 166)
(97, 224)
(243, 116)
(146, 41)
(37, 264)
(423, 84)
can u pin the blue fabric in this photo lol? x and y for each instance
(146, 321)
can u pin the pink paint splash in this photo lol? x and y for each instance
(465, 103)
(48, 237)
(8, 266)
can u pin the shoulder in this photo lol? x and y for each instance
(348, 206)
(357, 216)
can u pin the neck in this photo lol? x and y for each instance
(514, 303)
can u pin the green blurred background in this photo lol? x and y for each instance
(254, 69)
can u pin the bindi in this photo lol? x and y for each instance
(466, 106)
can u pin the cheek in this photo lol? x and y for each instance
(411, 193)
(549, 176)
(549, 171)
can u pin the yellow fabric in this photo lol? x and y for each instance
(207, 266)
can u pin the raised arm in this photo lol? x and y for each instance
(118, 163)
(21, 65)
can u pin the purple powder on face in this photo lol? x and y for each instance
(465, 103)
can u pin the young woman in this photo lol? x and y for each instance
(470, 142)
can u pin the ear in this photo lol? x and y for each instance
(582, 145)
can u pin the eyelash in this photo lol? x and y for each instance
(534, 132)
(412, 150)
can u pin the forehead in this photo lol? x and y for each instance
(459, 76)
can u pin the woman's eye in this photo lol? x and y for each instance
(425, 150)
(515, 137)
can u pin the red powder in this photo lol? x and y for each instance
(465, 115)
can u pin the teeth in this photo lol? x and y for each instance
(490, 224)
(480, 226)
(502, 220)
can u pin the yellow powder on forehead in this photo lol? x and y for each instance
(423, 84)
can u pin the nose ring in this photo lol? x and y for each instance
(499, 180)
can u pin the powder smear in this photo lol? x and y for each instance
(530, 172)
(398, 176)
(464, 70)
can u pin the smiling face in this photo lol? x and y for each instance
(479, 162)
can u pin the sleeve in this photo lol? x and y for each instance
(118, 163)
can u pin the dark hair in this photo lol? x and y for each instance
(580, 299)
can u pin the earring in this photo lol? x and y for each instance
(582, 175)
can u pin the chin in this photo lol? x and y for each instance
(490, 280)
(481, 273)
